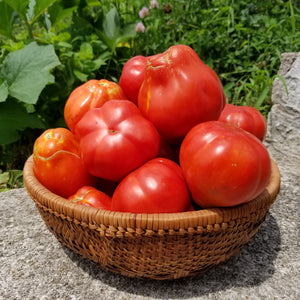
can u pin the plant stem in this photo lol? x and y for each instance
(29, 30)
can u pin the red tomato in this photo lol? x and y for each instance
(223, 164)
(132, 77)
(91, 94)
(245, 117)
(116, 139)
(57, 162)
(179, 91)
(90, 196)
(156, 187)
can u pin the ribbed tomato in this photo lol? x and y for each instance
(245, 117)
(58, 164)
(179, 91)
(132, 77)
(156, 187)
(90, 196)
(93, 93)
(115, 139)
(224, 165)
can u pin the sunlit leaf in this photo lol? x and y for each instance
(27, 71)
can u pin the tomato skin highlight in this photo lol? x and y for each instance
(179, 91)
(223, 165)
(90, 196)
(245, 117)
(116, 139)
(158, 186)
(57, 162)
(132, 77)
(93, 93)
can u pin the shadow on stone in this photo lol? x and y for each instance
(252, 266)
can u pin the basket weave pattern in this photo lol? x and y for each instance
(156, 246)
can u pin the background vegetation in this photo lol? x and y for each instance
(49, 47)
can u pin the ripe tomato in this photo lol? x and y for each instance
(57, 162)
(179, 91)
(156, 187)
(245, 117)
(132, 77)
(223, 164)
(91, 94)
(90, 196)
(116, 139)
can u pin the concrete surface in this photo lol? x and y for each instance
(34, 265)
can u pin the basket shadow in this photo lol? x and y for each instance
(250, 267)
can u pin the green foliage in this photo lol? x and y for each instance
(11, 179)
(25, 72)
(49, 47)
(14, 118)
(241, 40)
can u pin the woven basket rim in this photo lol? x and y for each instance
(92, 217)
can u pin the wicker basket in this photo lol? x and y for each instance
(156, 246)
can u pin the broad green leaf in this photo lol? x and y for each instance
(111, 24)
(110, 43)
(58, 13)
(119, 36)
(20, 6)
(13, 119)
(27, 71)
(3, 91)
(39, 6)
(29, 10)
(6, 13)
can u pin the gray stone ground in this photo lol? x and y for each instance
(34, 265)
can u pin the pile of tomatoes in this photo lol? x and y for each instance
(163, 140)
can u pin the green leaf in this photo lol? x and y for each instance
(101, 60)
(11, 179)
(81, 76)
(39, 6)
(262, 97)
(6, 13)
(4, 178)
(111, 24)
(58, 13)
(86, 51)
(283, 82)
(27, 71)
(13, 119)
(93, 2)
(3, 91)
(20, 6)
(29, 10)
(228, 89)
